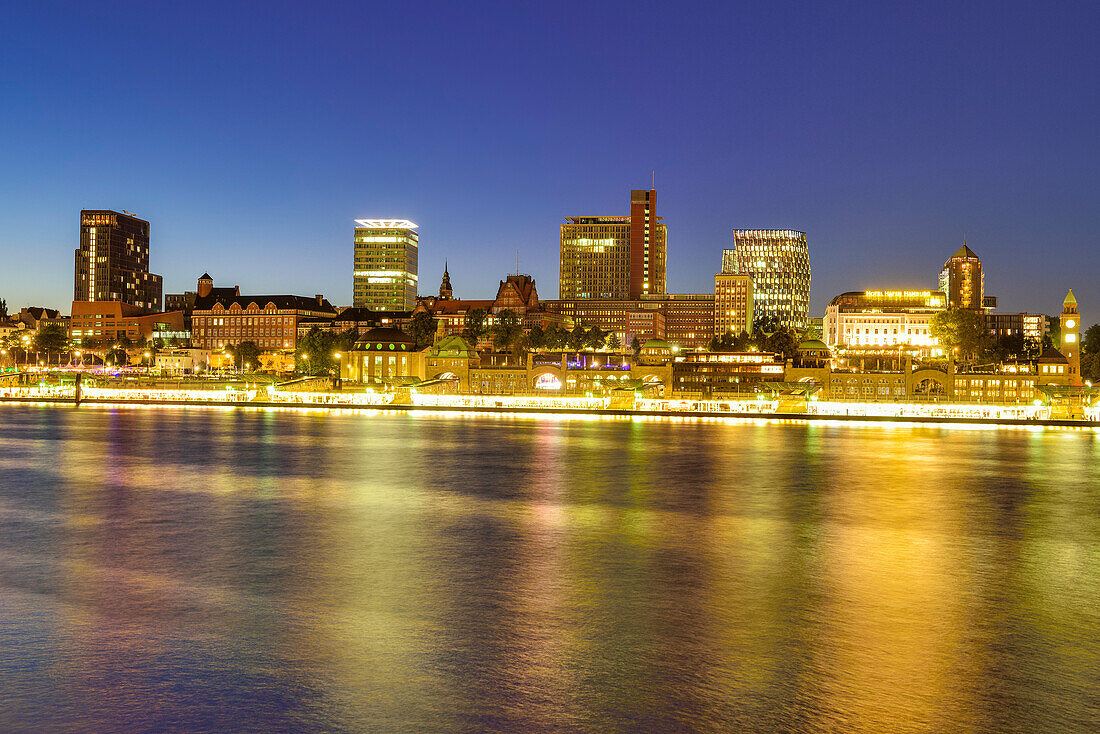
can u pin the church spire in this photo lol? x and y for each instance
(445, 292)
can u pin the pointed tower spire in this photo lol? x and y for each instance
(445, 292)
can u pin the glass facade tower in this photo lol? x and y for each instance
(779, 262)
(386, 252)
(112, 262)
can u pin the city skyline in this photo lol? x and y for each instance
(964, 133)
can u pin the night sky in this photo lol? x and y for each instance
(251, 135)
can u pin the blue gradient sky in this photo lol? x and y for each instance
(251, 135)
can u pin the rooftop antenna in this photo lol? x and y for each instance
(653, 179)
(517, 261)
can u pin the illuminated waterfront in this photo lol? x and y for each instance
(209, 569)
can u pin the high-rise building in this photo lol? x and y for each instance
(386, 252)
(778, 260)
(112, 262)
(1070, 345)
(732, 303)
(963, 281)
(618, 257)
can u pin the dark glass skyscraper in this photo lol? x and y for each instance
(112, 262)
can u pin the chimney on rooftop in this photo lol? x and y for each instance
(319, 298)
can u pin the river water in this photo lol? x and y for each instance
(170, 569)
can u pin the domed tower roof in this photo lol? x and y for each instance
(453, 346)
(811, 344)
(385, 339)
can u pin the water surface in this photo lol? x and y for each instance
(174, 569)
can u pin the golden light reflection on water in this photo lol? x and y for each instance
(330, 571)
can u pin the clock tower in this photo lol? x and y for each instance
(1070, 344)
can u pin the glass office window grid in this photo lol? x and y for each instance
(595, 258)
(112, 262)
(733, 309)
(385, 265)
(779, 262)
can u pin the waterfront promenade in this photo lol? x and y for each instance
(757, 410)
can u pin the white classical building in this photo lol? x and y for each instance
(877, 320)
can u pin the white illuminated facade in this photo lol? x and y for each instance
(385, 274)
(779, 262)
(877, 320)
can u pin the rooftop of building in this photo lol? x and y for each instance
(385, 339)
(457, 306)
(1051, 355)
(898, 299)
(453, 347)
(360, 313)
(226, 297)
(964, 253)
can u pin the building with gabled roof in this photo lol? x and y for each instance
(224, 317)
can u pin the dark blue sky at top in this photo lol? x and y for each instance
(251, 135)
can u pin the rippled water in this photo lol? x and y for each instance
(209, 570)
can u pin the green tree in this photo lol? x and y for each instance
(51, 339)
(1055, 334)
(614, 343)
(1090, 340)
(596, 338)
(507, 329)
(247, 355)
(1090, 366)
(782, 342)
(474, 327)
(960, 331)
(422, 329)
(729, 343)
(1006, 347)
(345, 341)
(556, 337)
(315, 353)
(116, 357)
(3, 309)
(536, 338)
(577, 338)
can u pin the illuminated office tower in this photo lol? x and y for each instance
(614, 257)
(386, 253)
(112, 262)
(732, 303)
(778, 261)
(963, 281)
